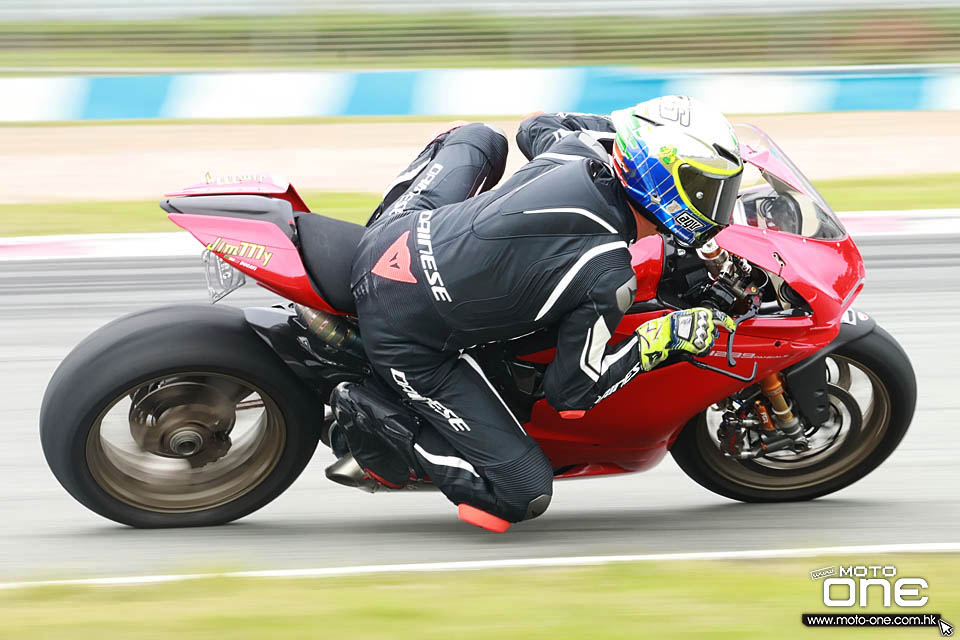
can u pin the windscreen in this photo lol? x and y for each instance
(775, 194)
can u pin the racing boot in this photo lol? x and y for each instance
(379, 434)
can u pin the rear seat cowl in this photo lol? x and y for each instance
(253, 207)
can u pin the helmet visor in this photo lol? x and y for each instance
(712, 195)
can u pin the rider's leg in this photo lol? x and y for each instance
(504, 471)
(454, 166)
(482, 457)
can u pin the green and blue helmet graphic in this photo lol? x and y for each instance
(680, 160)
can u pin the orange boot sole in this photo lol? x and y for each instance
(482, 519)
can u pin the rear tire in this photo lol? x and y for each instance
(124, 360)
(893, 379)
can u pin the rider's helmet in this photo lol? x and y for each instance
(679, 159)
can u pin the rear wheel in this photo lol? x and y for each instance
(872, 394)
(177, 417)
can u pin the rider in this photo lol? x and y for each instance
(447, 264)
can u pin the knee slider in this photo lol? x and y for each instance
(537, 506)
(524, 483)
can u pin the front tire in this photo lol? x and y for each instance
(882, 368)
(177, 417)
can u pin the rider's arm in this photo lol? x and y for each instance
(538, 133)
(585, 368)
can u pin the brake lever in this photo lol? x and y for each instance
(731, 362)
(754, 307)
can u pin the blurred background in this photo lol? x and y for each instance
(107, 104)
(365, 85)
(82, 35)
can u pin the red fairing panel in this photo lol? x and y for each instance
(259, 249)
(633, 428)
(646, 255)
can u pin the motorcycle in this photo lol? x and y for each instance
(197, 415)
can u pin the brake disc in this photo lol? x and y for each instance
(184, 419)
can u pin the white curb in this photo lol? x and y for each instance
(99, 245)
(506, 563)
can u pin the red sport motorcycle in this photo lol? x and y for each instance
(198, 415)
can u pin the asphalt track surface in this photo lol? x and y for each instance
(48, 306)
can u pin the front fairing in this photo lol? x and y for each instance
(783, 224)
(828, 274)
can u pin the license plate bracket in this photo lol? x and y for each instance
(222, 278)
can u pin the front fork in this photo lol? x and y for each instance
(773, 419)
(770, 420)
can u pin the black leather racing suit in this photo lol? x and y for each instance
(439, 272)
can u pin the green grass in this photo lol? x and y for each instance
(934, 191)
(907, 192)
(145, 215)
(756, 599)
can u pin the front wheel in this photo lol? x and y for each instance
(872, 392)
(177, 417)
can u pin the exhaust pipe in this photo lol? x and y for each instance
(348, 472)
(332, 329)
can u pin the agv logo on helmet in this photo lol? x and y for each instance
(680, 160)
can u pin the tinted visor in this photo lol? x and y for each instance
(713, 196)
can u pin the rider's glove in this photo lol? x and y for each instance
(690, 330)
